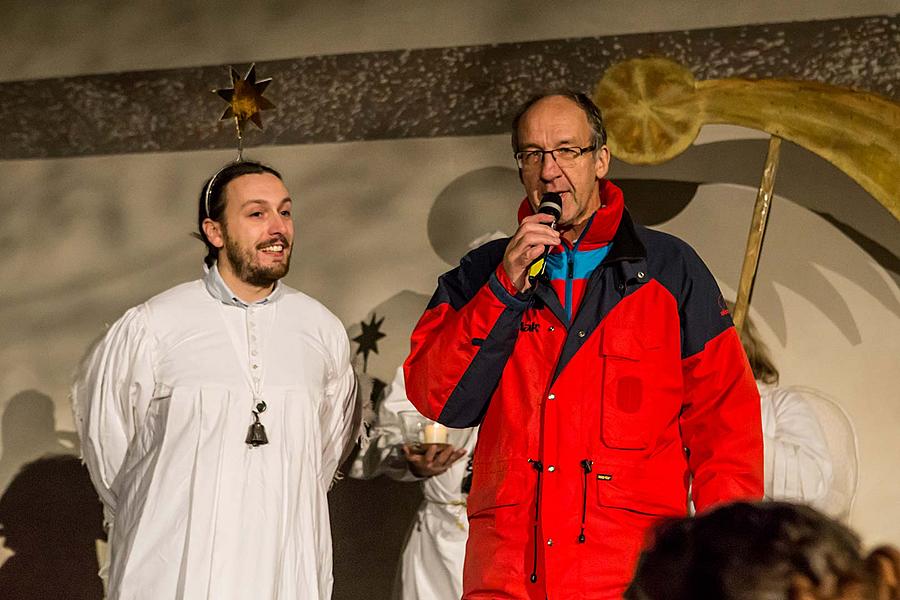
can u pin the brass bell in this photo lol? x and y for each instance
(256, 435)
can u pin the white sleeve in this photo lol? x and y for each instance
(341, 414)
(798, 463)
(384, 455)
(113, 383)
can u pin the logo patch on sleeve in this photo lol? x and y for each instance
(723, 308)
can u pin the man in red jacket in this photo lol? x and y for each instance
(604, 387)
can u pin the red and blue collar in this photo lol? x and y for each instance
(602, 225)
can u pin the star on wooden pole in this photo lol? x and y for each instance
(245, 101)
(368, 339)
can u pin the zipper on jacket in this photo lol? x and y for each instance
(570, 267)
(539, 467)
(570, 276)
(586, 465)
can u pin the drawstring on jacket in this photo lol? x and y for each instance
(539, 467)
(586, 464)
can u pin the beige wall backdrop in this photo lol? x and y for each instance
(51, 39)
(85, 238)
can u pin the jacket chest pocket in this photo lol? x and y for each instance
(625, 397)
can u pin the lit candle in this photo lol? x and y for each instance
(435, 433)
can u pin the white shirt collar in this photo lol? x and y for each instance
(218, 289)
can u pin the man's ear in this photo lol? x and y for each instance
(213, 231)
(601, 161)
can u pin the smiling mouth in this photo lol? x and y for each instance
(273, 248)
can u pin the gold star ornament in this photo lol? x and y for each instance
(245, 101)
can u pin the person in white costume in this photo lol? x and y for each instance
(798, 463)
(213, 417)
(431, 567)
(432, 563)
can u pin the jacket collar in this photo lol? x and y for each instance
(625, 243)
(627, 253)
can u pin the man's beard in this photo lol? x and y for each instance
(248, 271)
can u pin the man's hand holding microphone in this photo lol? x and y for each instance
(532, 241)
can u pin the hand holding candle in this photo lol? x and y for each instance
(433, 460)
(434, 433)
(419, 432)
(429, 447)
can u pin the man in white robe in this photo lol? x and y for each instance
(432, 564)
(164, 405)
(799, 465)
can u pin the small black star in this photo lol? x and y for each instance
(368, 339)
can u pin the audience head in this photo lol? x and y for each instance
(762, 551)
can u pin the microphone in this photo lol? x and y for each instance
(551, 204)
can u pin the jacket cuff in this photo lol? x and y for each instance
(506, 292)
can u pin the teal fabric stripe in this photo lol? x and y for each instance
(556, 266)
(587, 260)
(584, 264)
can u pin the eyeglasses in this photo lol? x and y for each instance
(564, 157)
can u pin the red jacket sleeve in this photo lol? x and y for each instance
(720, 423)
(461, 344)
(720, 418)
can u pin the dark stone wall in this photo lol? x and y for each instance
(457, 91)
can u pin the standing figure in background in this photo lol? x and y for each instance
(588, 382)
(798, 463)
(432, 562)
(465, 215)
(214, 416)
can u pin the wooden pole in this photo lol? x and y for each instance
(757, 233)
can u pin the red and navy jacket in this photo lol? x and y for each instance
(592, 427)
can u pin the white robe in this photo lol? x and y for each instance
(163, 405)
(432, 563)
(798, 463)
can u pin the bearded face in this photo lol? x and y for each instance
(255, 235)
(260, 264)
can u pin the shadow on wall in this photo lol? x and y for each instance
(52, 519)
(29, 432)
(49, 513)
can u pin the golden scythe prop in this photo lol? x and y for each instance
(654, 109)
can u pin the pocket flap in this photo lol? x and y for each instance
(628, 487)
(621, 343)
(498, 485)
